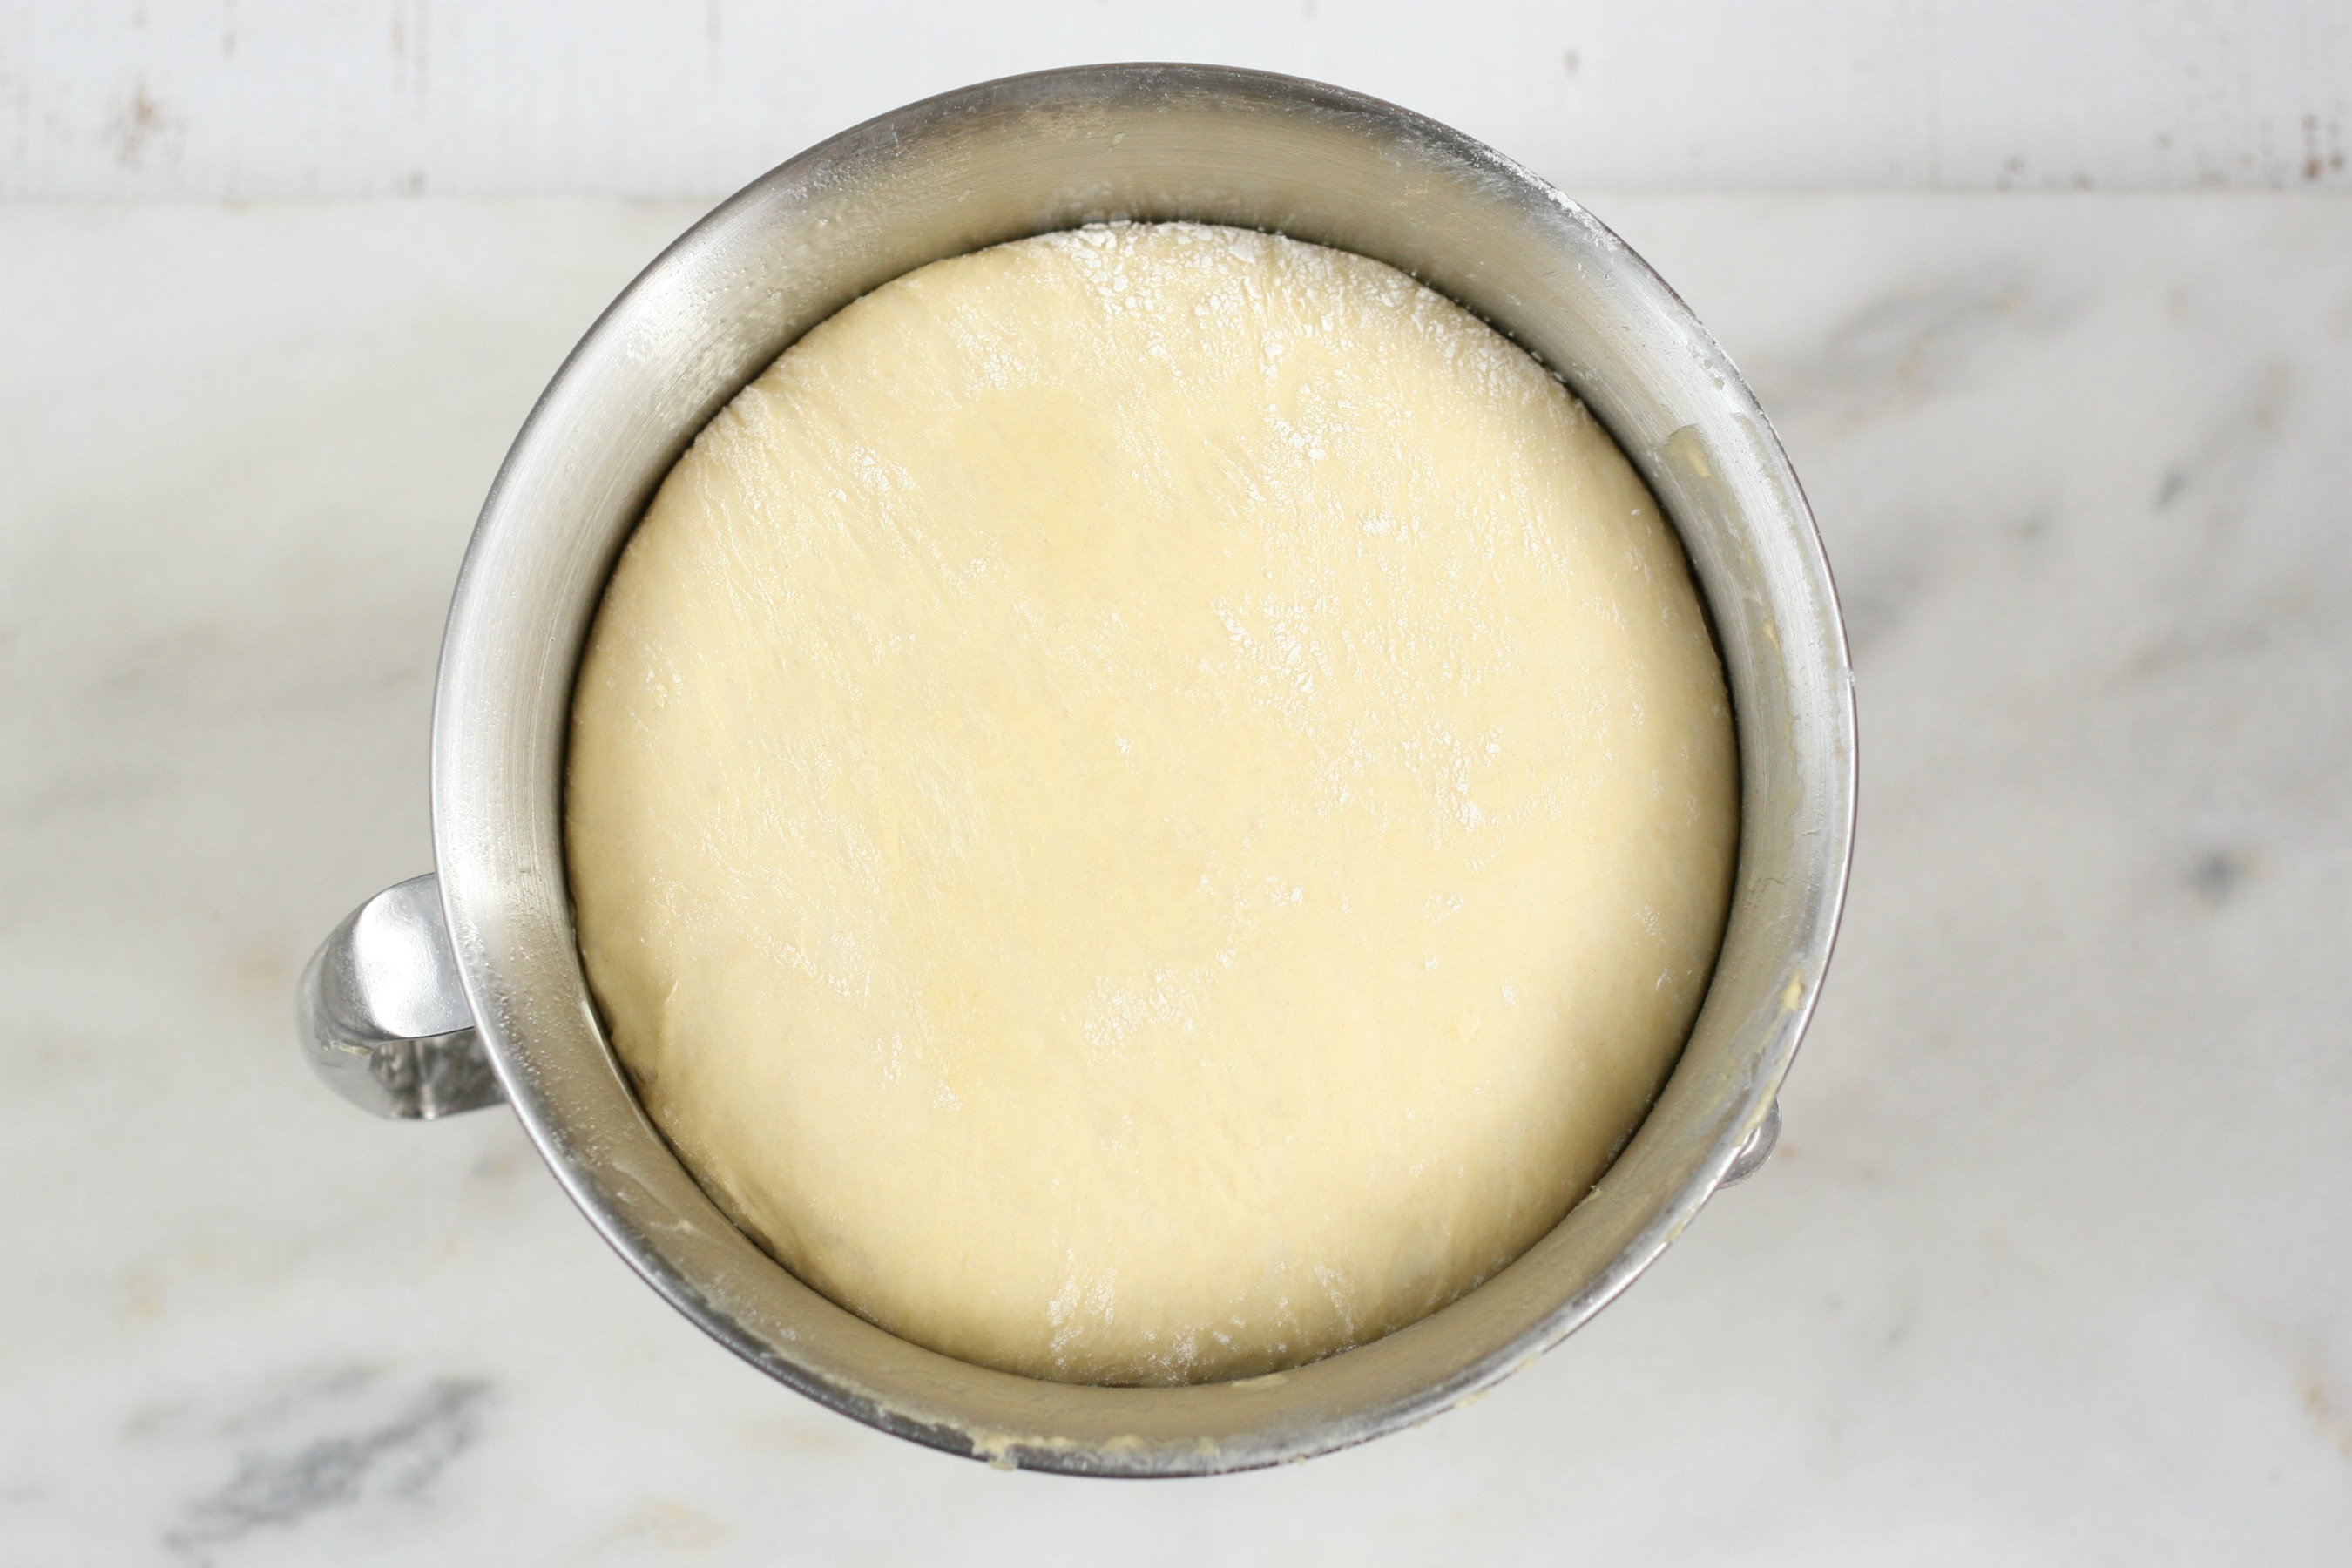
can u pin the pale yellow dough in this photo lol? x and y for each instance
(1150, 803)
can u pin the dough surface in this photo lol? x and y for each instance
(1150, 803)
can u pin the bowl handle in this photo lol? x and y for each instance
(1755, 1148)
(386, 1023)
(382, 1017)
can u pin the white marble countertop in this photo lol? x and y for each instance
(2052, 1266)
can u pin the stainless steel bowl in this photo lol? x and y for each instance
(424, 987)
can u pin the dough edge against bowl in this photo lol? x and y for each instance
(733, 1203)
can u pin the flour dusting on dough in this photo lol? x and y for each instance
(1150, 803)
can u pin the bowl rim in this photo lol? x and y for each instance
(486, 880)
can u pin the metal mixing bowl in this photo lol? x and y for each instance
(438, 997)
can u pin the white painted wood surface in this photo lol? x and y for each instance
(269, 98)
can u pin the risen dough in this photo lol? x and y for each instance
(1149, 803)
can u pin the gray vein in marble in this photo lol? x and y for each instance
(284, 1479)
(2232, 444)
(2218, 874)
(1909, 345)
